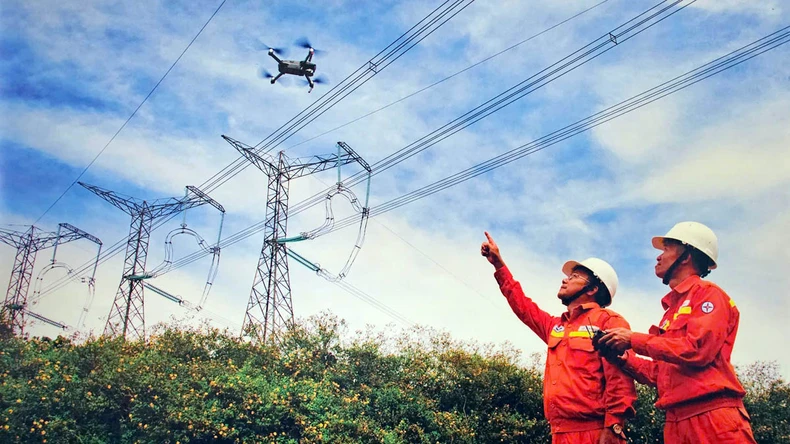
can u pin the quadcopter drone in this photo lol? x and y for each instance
(303, 68)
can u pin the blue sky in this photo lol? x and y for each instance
(72, 73)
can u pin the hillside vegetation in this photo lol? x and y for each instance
(196, 385)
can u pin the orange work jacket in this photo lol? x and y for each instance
(690, 351)
(581, 391)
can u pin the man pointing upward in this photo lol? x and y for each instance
(586, 399)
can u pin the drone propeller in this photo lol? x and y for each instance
(282, 81)
(277, 51)
(304, 43)
(318, 80)
(265, 74)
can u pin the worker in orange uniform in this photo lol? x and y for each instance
(586, 399)
(691, 348)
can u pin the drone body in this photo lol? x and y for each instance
(303, 68)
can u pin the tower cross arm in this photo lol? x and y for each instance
(33, 237)
(73, 233)
(10, 237)
(350, 153)
(128, 205)
(205, 197)
(304, 166)
(194, 198)
(266, 166)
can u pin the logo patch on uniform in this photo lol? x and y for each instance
(559, 328)
(589, 328)
(707, 307)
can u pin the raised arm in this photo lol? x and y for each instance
(528, 311)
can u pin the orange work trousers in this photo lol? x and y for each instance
(726, 425)
(586, 437)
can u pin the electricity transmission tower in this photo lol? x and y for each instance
(27, 244)
(270, 308)
(127, 315)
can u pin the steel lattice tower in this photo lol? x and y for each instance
(127, 315)
(27, 244)
(270, 307)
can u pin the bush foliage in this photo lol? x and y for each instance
(189, 385)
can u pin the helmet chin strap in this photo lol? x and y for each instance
(585, 289)
(671, 269)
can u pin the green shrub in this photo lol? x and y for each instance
(200, 385)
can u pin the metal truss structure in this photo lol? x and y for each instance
(127, 315)
(270, 307)
(27, 244)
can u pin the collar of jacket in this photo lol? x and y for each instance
(671, 298)
(579, 310)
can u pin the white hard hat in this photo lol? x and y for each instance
(598, 267)
(695, 234)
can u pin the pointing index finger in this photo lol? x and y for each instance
(488, 236)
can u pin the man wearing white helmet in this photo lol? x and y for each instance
(691, 347)
(586, 399)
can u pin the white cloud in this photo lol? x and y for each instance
(737, 156)
(602, 193)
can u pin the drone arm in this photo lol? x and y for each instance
(274, 56)
(274, 79)
(310, 82)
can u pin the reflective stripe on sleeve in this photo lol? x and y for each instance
(682, 311)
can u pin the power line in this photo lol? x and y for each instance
(116, 248)
(356, 292)
(424, 254)
(647, 97)
(79, 176)
(438, 264)
(240, 163)
(408, 96)
(679, 83)
(597, 47)
(237, 166)
(669, 87)
(396, 49)
(362, 75)
(553, 72)
(672, 86)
